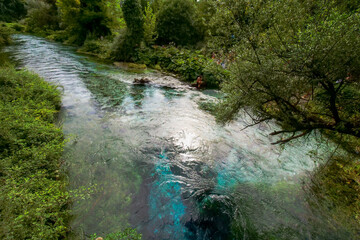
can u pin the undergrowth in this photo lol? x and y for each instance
(33, 191)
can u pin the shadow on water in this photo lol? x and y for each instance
(156, 162)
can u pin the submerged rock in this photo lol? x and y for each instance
(143, 80)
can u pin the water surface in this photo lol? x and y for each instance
(156, 162)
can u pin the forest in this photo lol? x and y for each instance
(293, 64)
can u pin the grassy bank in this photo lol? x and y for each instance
(33, 194)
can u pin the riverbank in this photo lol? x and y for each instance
(34, 198)
(186, 64)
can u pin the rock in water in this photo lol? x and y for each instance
(143, 80)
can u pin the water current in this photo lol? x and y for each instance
(154, 161)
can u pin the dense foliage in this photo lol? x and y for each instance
(4, 35)
(84, 19)
(11, 10)
(188, 64)
(336, 186)
(34, 199)
(178, 22)
(297, 62)
(126, 43)
(300, 67)
(127, 234)
(150, 34)
(41, 16)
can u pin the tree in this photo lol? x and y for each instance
(150, 34)
(82, 19)
(93, 19)
(126, 43)
(300, 67)
(11, 10)
(134, 19)
(177, 22)
(41, 16)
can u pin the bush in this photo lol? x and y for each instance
(134, 19)
(59, 36)
(123, 48)
(33, 192)
(4, 35)
(127, 234)
(15, 27)
(188, 64)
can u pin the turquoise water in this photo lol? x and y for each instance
(156, 162)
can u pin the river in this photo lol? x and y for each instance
(151, 159)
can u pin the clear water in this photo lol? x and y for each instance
(156, 162)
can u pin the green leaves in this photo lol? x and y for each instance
(33, 192)
(178, 22)
(295, 66)
(127, 234)
(150, 34)
(188, 64)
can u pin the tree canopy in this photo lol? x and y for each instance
(178, 22)
(300, 67)
(11, 10)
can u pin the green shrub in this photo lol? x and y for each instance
(59, 36)
(188, 64)
(33, 192)
(15, 27)
(4, 35)
(83, 20)
(100, 48)
(123, 48)
(127, 234)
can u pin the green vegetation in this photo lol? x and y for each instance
(337, 188)
(306, 77)
(127, 234)
(11, 10)
(188, 64)
(297, 62)
(177, 22)
(150, 34)
(4, 35)
(126, 43)
(83, 20)
(41, 17)
(34, 199)
(301, 68)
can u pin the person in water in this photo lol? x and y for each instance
(199, 82)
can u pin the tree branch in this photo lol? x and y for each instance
(282, 141)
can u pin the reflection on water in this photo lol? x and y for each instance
(165, 167)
